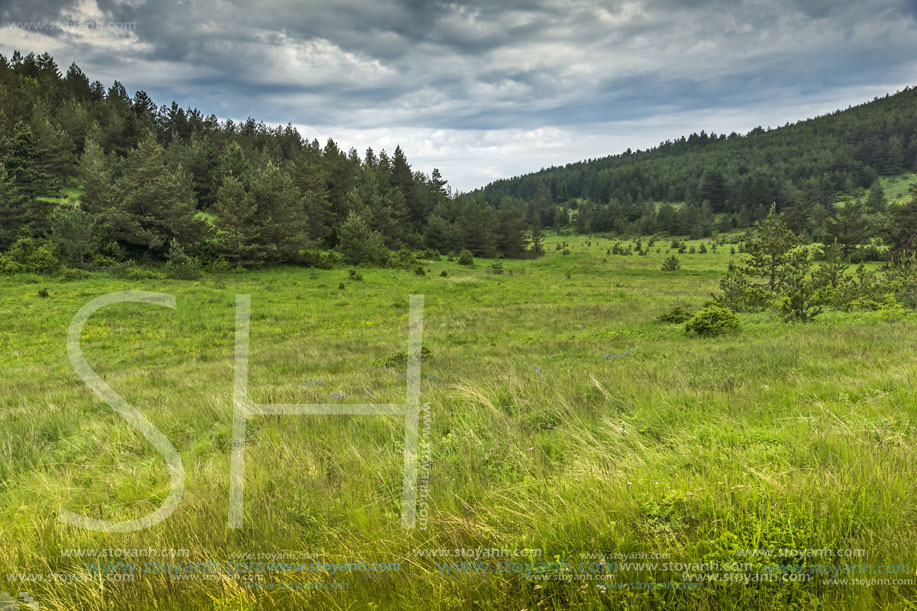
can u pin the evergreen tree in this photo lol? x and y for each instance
(511, 239)
(537, 237)
(769, 250)
(713, 189)
(23, 160)
(72, 231)
(478, 224)
(95, 178)
(846, 227)
(282, 223)
(16, 211)
(236, 222)
(360, 244)
(151, 204)
(875, 201)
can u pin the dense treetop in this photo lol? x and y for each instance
(92, 176)
(145, 176)
(803, 168)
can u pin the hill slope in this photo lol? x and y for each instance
(811, 162)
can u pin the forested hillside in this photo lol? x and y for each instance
(804, 168)
(95, 176)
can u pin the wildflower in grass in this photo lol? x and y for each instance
(621, 355)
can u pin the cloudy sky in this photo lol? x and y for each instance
(486, 89)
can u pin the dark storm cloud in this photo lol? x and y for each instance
(479, 65)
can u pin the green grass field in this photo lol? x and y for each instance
(563, 418)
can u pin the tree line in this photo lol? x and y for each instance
(94, 177)
(723, 182)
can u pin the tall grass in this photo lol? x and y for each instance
(564, 417)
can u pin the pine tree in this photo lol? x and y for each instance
(236, 222)
(511, 239)
(846, 227)
(360, 244)
(95, 177)
(713, 189)
(72, 230)
(478, 224)
(769, 250)
(875, 201)
(23, 160)
(17, 213)
(537, 237)
(152, 204)
(282, 222)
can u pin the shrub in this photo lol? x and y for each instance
(739, 294)
(321, 260)
(495, 268)
(220, 266)
(466, 258)
(678, 314)
(802, 296)
(44, 260)
(419, 271)
(32, 255)
(429, 254)
(359, 244)
(443, 273)
(713, 320)
(401, 358)
(404, 259)
(43, 293)
(671, 264)
(8, 266)
(137, 272)
(180, 265)
(104, 261)
(355, 275)
(68, 274)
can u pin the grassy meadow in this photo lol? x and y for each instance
(563, 418)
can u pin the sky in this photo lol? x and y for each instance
(486, 89)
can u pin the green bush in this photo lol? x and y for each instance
(8, 266)
(359, 244)
(713, 320)
(419, 271)
(466, 258)
(401, 358)
(45, 260)
(180, 265)
(69, 274)
(404, 259)
(136, 272)
(220, 266)
(28, 254)
(678, 315)
(495, 268)
(671, 264)
(429, 254)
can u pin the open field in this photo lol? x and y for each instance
(562, 418)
